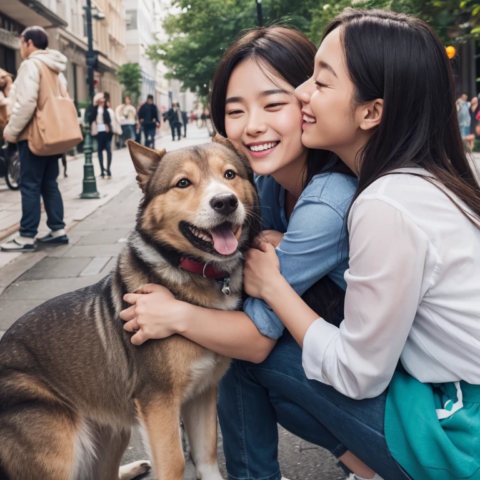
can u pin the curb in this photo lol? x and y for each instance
(17, 267)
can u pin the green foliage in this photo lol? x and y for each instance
(454, 21)
(203, 30)
(130, 76)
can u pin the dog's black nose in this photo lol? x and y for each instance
(224, 204)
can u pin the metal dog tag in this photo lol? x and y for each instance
(226, 287)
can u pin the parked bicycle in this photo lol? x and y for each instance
(10, 165)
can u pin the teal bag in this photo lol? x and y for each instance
(433, 431)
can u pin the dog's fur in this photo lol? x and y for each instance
(72, 384)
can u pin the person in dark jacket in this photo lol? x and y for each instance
(175, 118)
(185, 121)
(149, 120)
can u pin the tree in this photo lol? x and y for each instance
(130, 76)
(204, 29)
(454, 21)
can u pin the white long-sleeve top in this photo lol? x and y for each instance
(413, 293)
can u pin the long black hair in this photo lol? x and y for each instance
(286, 53)
(400, 59)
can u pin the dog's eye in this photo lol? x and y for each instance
(229, 174)
(183, 183)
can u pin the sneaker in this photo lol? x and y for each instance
(59, 236)
(19, 244)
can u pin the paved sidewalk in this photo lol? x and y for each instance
(77, 209)
(96, 238)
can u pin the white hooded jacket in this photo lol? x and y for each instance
(24, 92)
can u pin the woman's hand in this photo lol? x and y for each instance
(154, 314)
(262, 268)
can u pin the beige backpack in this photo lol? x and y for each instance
(54, 127)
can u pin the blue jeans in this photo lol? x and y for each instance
(253, 398)
(464, 130)
(38, 177)
(177, 128)
(104, 143)
(128, 133)
(149, 132)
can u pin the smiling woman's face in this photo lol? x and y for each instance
(263, 118)
(327, 98)
(331, 120)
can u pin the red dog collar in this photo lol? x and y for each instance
(204, 269)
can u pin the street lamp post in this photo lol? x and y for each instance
(89, 182)
(259, 13)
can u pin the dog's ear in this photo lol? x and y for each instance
(224, 141)
(145, 160)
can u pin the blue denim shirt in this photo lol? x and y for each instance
(315, 243)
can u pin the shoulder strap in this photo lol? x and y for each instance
(49, 77)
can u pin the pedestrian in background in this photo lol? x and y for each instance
(185, 121)
(101, 120)
(175, 119)
(127, 117)
(38, 174)
(474, 112)
(149, 121)
(464, 119)
(5, 85)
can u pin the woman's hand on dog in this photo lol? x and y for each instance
(262, 268)
(154, 313)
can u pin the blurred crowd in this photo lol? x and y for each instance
(469, 119)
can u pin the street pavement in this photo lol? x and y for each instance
(98, 230)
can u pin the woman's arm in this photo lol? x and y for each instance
(385, 286)
(314, 245)
(156, 313)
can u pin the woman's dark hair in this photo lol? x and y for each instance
(399, 59)
(283, 52)
(37, 35)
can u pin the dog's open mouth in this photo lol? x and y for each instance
(222, 239)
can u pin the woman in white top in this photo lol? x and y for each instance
(126, 115)
(101, 118)
(398, 383)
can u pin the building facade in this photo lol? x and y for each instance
(65, 22)
(109, 41)
(141, 25)
(15, 16)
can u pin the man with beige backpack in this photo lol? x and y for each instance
(44, 124)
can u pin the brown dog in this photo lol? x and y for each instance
(71, 383)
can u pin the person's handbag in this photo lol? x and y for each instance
(116, 127)
(54, 127)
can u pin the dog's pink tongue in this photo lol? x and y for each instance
(224, 241)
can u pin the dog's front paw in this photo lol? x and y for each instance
(134, 469)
